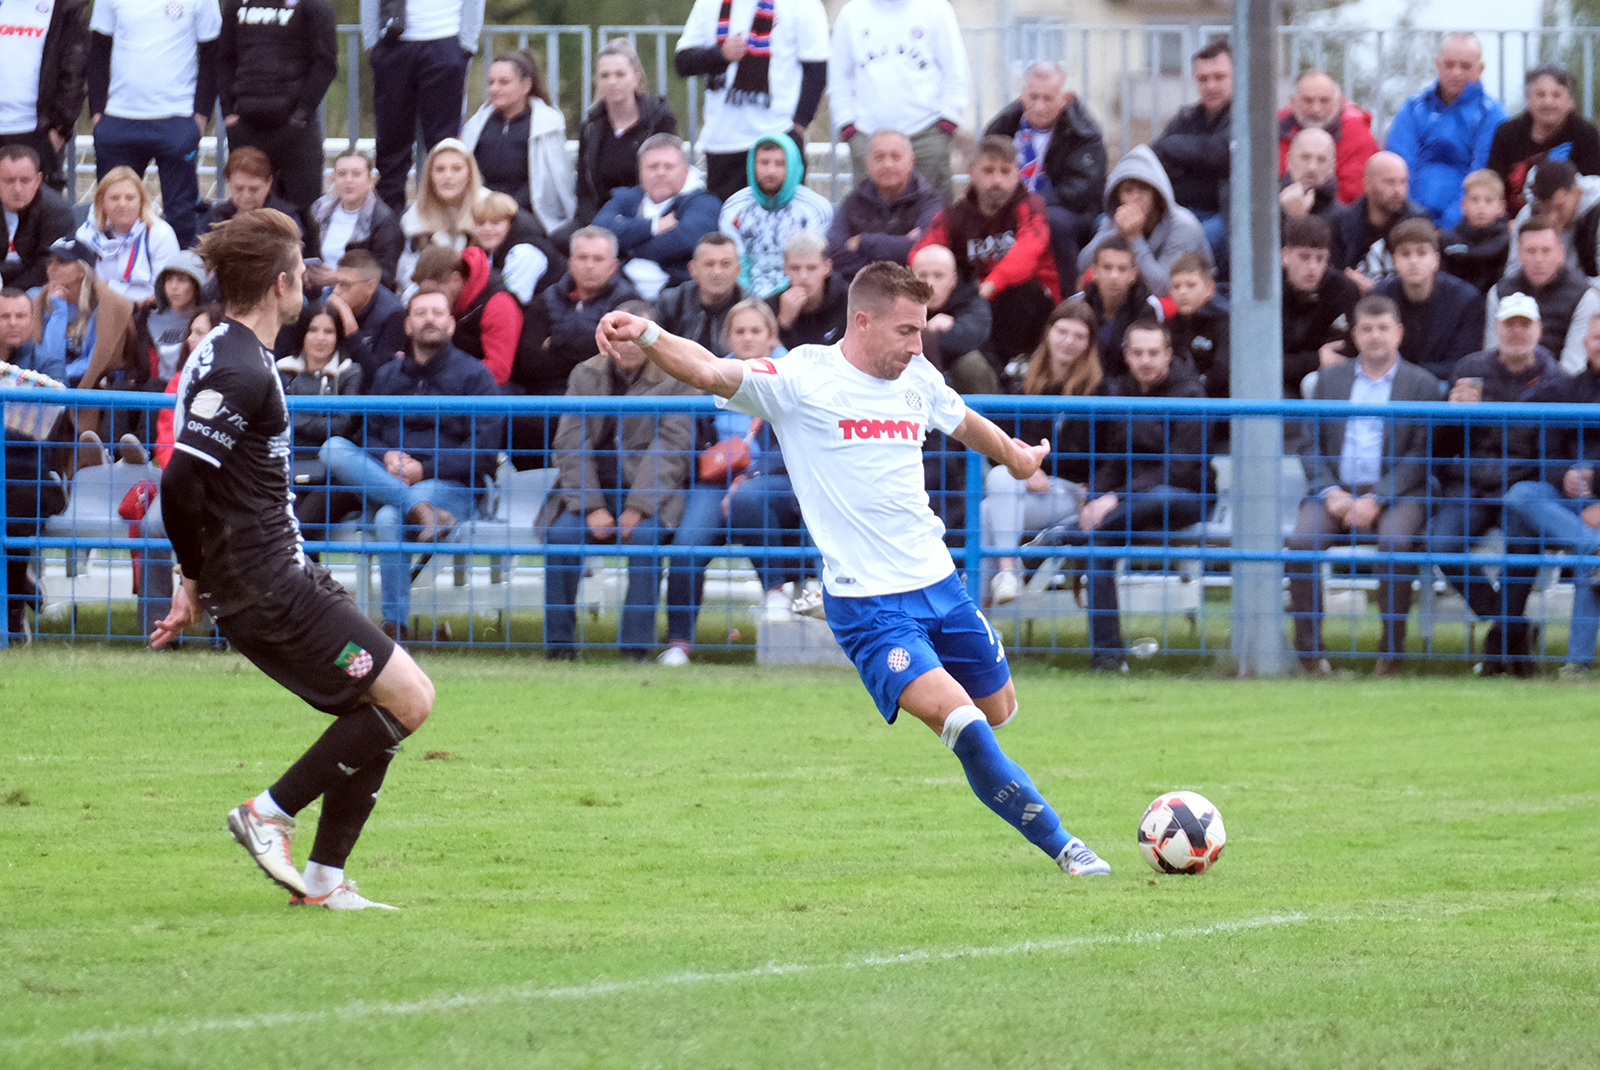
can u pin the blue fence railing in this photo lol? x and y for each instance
(529, 564)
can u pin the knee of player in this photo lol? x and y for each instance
(1005, 718)
(412, 702)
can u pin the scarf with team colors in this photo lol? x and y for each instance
(750, 83)
(1030, 169)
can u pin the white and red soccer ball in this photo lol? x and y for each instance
(1181, 832)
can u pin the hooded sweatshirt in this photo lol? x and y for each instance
(759, 222)
(1177, 232)
(488, 317)
(1010, 248)
(1581, 236)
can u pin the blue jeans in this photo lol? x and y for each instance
(1539, 519)
(1161, 508)
(174, 145)
(703, 524)
(766, 506)
(563, 571)
(1458, 523)
(387, 500)
(1216, 227)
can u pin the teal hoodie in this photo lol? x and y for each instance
(794, 169)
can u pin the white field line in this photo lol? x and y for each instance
(357, 1010)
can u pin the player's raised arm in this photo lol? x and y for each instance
(978, 432)
(686, 361)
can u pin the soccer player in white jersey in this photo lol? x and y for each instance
(851, 419)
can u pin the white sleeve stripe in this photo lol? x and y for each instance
(206, 457)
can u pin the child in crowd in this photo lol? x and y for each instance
(1475, 249)
(1118, 294)
(1199, 323)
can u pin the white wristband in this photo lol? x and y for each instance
(648, 338)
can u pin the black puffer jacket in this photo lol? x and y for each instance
(1075, 159)
(680, 312)
(558, 333)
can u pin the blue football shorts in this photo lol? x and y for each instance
(895, 638)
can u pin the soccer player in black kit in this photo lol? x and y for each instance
(229, 513)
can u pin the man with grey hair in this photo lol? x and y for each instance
(1318, 104)
(887, 213)
(659, 221)
(1444, 132)
(558, 329)
(1061, 156)
(812, 307)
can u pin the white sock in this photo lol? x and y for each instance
(267, 806)
(958, 719)
(321, 879)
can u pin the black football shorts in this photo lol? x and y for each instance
(309, 635)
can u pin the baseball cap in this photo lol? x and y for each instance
(73, 249)
(1517, 305)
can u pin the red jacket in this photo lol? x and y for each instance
(1353, 142)
(488, 317)
(1007, 248)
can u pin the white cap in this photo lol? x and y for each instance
(1517, 304)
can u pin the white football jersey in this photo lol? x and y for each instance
(853, 446)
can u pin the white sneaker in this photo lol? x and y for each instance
(1004, 587)
(809, 604)
(344, 897)
(1077, 860)
(268, 840)
(674, 655)
(776, 607)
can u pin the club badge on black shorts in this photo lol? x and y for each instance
(354, 661)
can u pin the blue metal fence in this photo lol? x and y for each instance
(485, 582)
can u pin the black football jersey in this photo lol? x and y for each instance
(231, 415)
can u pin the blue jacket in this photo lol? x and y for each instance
(1441, 143)
(456, 446)
(696, 212)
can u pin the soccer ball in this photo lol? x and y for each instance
(1181, 832)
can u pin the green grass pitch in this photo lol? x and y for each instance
(724, 866)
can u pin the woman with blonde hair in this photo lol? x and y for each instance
(130, 239)
(442, 213)
(1066, 363)
(520, 142)
(620, 120)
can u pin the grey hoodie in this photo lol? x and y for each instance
(1178, 232)
(1588, 197)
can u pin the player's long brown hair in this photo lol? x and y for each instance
(1084, 375)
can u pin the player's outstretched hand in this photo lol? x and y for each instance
(185, 611)
(617, 327)
(1025, 459)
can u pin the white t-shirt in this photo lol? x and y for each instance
(430, 20)
(336, 235)
(853, 447)
(154, 57)
(799, 35)
(22, 30)
(897, 64)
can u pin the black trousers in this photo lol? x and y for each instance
(415, 84)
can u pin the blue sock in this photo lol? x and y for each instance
(1001, 783)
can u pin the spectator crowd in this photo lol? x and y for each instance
(1455, 262)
